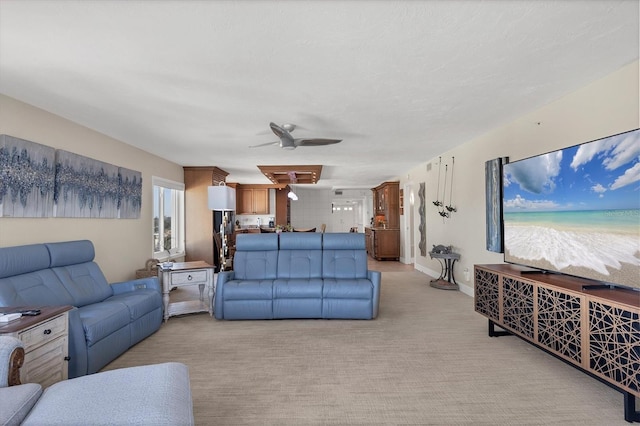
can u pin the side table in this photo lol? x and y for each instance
(446, 261)
(184, 274)
(46, 343)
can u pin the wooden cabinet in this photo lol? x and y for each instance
(594, 327)
(46, 345)
(383, 239)
(252, 200)
(383, 244)
(386, 203)
(199, 220)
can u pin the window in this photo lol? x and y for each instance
(168, 219)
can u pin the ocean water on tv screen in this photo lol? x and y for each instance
(577, 210)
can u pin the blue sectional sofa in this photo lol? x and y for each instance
(298, 275)
(106, 319)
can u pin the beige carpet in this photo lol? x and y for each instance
(426, 360)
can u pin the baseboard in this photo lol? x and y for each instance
(466, 289)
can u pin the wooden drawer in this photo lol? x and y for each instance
(44, 332)
(46, 365)
(188, 277)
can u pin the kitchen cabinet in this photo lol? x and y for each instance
(252, 200)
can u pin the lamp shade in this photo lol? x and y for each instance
(221, 198)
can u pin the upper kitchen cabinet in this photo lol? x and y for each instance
(252, 200)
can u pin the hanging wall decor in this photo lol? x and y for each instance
(437, 202)
(39, 181)
(130, 193)
(445, 211)
(450, 207)
(26, 178)
(422, 244)
(493, 201)
(85, 187)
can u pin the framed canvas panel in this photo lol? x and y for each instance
(130, 193)
(493, 201)
(27, 174)
(85, 187)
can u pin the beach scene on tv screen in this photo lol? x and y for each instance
(577, 210)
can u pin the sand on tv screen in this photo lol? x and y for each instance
(577, 210)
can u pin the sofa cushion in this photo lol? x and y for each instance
(347, 289)
(256, 256)
(85, 282)
(297, 288)
(139, 302)
(344, 256)
(158, 394)
(23, 259)
(248, 289)
(300, 255)
(70, 252)
(101, 319)
(34, 288)
(17, 401)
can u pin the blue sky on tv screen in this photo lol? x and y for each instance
(599, 175)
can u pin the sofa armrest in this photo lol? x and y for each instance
(17, 401)
(376, 280)
(11, 359)
(78, 357)
(151, 283)
(218, 297)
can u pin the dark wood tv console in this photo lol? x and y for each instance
(592, 327)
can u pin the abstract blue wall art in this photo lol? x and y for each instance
(85, 187)
(26, 178)
(130, 194)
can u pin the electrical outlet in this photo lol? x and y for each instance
(466, 275)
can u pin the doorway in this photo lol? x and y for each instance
(345, 215)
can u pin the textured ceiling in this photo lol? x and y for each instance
(400, 82)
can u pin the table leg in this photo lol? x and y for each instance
(165, 294)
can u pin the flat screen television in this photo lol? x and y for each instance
(576, 210)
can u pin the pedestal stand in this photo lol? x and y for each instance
(446, 262)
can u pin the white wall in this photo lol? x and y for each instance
(605, 107)
(122, 245)
(314, 207)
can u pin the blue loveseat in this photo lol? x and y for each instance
(106, 319)
(298, 275)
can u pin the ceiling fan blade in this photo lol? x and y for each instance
(265, 144)
(279, 131)
(316, 142)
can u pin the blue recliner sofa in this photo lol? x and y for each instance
(106, 319)
(298, 275)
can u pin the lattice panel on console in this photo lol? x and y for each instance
(614, 344)
(486, 294)
(559, 323)
(518, 306)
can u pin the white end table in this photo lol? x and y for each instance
(183, 274)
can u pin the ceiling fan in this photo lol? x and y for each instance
(289, 142)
